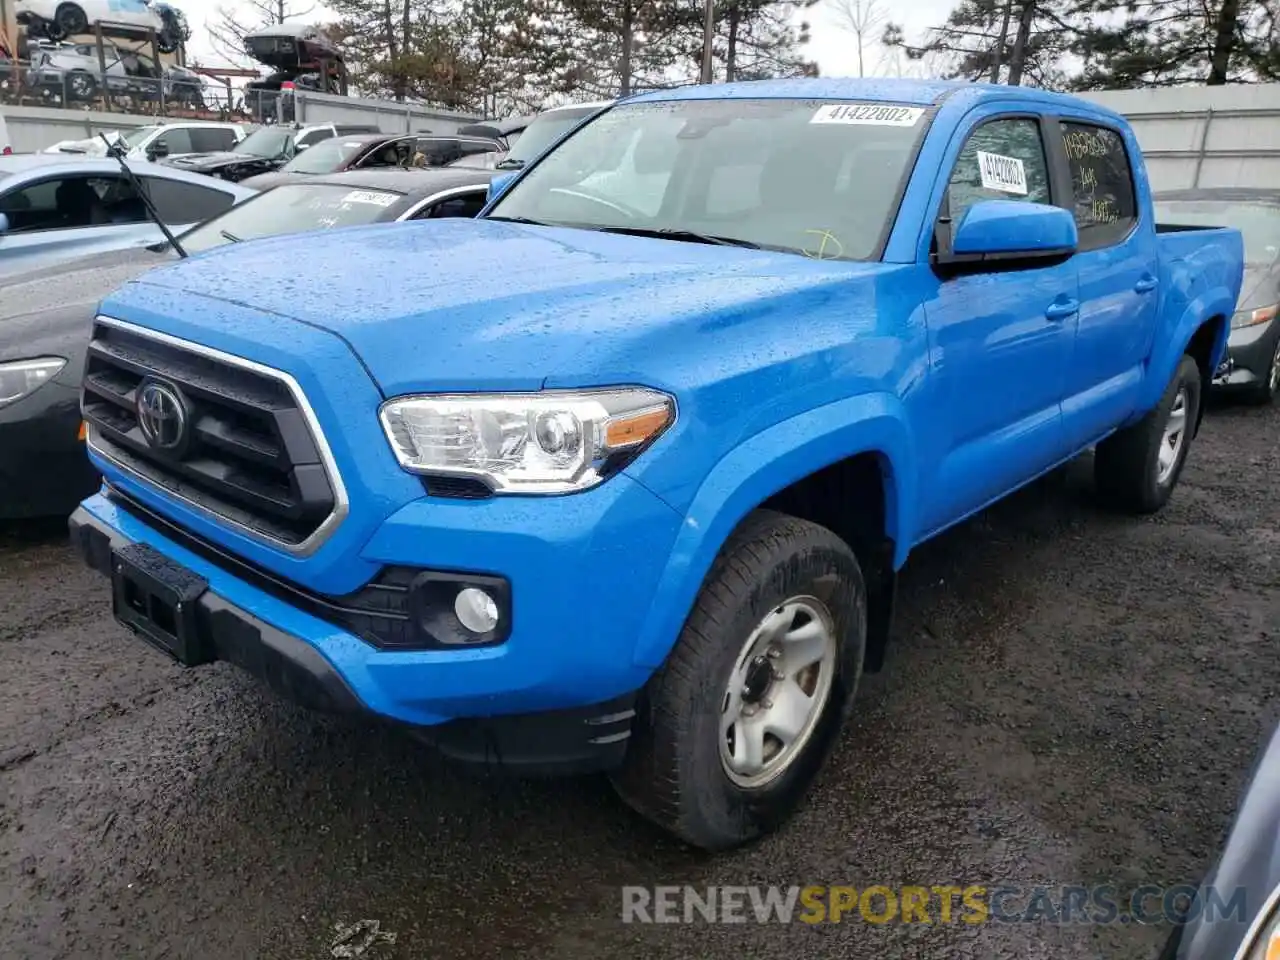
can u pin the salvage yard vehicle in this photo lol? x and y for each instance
(577, 485)
(1252, 367)
(46, 316)
(58, 19)
(267, 148)
(163, 139)
(369, 151)
(55, 208)
(534, 135)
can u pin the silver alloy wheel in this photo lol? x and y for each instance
(1274, 382)
(1175, 433)
(777, 691)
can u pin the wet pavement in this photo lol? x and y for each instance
(1073, 697)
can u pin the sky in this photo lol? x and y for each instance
(834, 49)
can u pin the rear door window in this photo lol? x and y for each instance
(184, 203)
(1106, 208)
(211, 139)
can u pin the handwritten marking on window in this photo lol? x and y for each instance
(825, 238)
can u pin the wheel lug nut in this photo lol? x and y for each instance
(774, 653)
(766, 703)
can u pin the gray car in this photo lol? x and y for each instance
(1252, 367)
(73, 72)
(1235, 914)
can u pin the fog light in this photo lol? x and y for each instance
(476, 610)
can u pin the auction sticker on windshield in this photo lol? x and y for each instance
(868, 114)
(1006, 174)
(370, 196)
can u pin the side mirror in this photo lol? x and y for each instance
(157, 150)
(498, 184)
(299, 147)
(996, 231)
(4, 223)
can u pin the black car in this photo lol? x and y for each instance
(46, 315)
(266, 149)
(1252, 367)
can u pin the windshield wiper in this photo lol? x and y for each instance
(145, 197)
(532, 223)
(689, 236)
(227, 235)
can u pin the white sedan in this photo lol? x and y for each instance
(58, 19)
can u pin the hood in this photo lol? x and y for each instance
(481, 304)
(1261, 286)
(214, 161)
(50, 311)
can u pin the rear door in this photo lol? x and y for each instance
(1117, 264)
(999, 340)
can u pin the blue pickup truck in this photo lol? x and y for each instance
(619, 475)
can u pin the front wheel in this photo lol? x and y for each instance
(1137, 468)
(1268, 387)
(735, 726)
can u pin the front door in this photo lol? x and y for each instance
(999, 341)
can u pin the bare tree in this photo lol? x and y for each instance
(228, 25)
(862, 18)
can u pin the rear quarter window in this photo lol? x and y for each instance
(1104, 202)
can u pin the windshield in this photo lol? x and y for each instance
(292, 208)
(808, 177)
(542, 132)
(1259, 223)
(325, 156)
(134, 138)
(267, 142)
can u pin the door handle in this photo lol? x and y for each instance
(1061, 309)
(1145, 285)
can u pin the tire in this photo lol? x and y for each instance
(1136, 469)
(1268, 388)
(80, 86)
(70, 20)
(679, 769)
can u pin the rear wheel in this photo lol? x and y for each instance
(734, 727)
(1137, 468)
(70, 20)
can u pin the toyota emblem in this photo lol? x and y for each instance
(162, 415)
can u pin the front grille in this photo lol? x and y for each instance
(248, 456)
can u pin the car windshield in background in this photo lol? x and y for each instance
(541, 133)
(292, 208)
(325, 157)
(811, 177)
(1258, 222)
(267, 142)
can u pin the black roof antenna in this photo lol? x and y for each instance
(141, 191)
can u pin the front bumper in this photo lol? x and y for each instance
(1249, 354)
(44, 470)
(234, 622)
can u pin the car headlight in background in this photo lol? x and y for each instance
(21, 377)
(1249, 318)
(550, 442)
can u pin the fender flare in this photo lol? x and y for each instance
(1214, 302)
(761, 466)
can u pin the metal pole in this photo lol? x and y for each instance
(708, 33)
(1204, 146)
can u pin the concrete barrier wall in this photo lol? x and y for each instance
(389, 116)
(1205, 136)
(34, 128)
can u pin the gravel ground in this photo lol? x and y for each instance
(1073, 698)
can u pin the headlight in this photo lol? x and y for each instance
(20, 377)
(551, 442)
(1249, 318)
